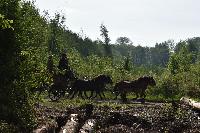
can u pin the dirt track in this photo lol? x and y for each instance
(124, 118)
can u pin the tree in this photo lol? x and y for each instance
(160, 54)
(173, 64)
(127, 63)
(180, 62)
(104, 34)
(194, 48)
(123, 41)
(179, 46)
(14, 103)
(55, 27)
(123, 46)
(139, 56)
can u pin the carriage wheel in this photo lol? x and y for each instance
(68, 90)
(54, 94)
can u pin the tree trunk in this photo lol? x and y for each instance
(190, 102)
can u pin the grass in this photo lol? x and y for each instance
(77, 102)
(63, 103)
(7, 128)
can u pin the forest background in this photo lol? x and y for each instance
(27, 38)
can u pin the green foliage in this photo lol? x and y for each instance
(184, 72)
(191, 82)
(5, 23)
(34, 29)
(123, 41)
(21, 67)
(56, 27)
(33, 69)
(178, 81)
(8, 128)
(169, 86)
(127, 64)
(24, 52)
(160, 54)
(173, 65)
(180, 62)
(91, 66)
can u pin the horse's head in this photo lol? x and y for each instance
(151, 81)
(107, 79)
(102, 80)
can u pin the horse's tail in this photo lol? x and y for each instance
(115, 88)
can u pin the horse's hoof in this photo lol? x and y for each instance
(142, 100)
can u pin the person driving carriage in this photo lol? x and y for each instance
(63, 66)
(63, 62)
(61, 79)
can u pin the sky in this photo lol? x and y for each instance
(145, 22)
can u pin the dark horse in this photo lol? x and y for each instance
(137, 86)
(97, 85)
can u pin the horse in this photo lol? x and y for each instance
(137, 86)
(97, 85)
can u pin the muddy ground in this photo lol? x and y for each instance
(122, 118)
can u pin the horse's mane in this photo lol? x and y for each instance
(100, 76)
(145, 77)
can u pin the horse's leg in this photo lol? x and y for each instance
(103, 94)
(70, 92)
(116, 94)
(143, 95)
(99, 95)
(92, 92)
(102, 91)
(99, 92)
(123, 97)
(80, 94)
(74, 93)
(137, 95)
(85, 93)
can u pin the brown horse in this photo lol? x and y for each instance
(137, 86)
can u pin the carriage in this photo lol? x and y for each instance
(72, 85)
(61, 85)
